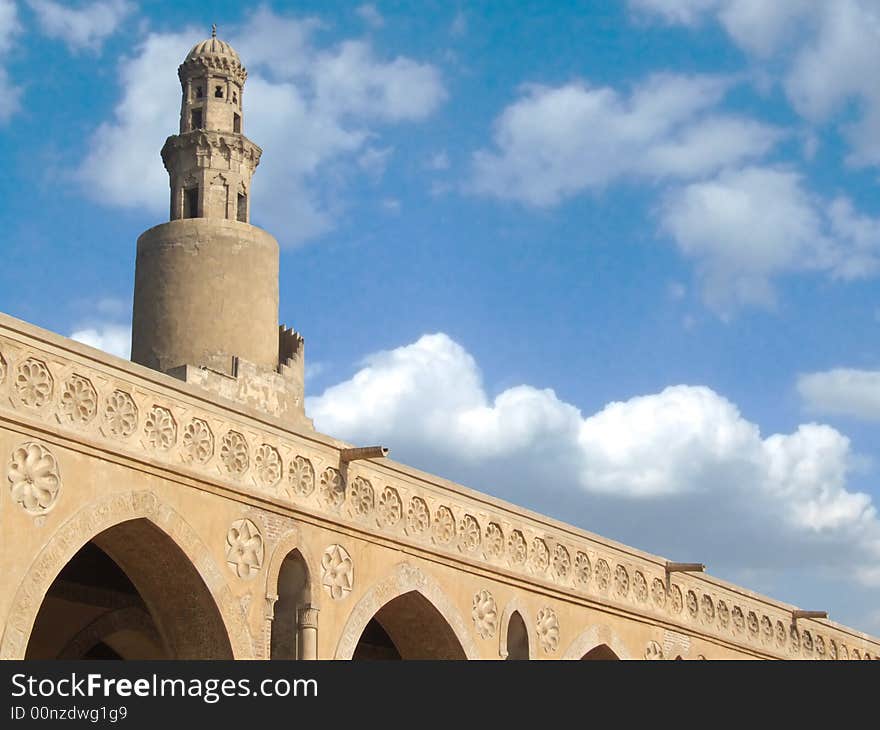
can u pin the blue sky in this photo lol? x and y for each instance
(616, 262)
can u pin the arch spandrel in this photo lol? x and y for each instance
(92, 520)
(405, 578)
(598, 635)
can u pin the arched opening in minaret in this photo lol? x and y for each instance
(199, 92)
(601, 652)
(293, 595)
(408, 627)
(236, 123)
(517, 637)
(196, 119)
(191, 203)
(241, 213)
(129, 593)
(218, 92)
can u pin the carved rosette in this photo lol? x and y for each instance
(766, 629)
(738, 619)
(468, 534)
(444, 525)
(707, 609)
(832, 650)
(820, 647)
(723, 614)
(79, 401)
(640, 587)
(560, 563)
(33, 383)
(267, 465)
(337, 572)
(493, 542)
(540, 556)
(582, 569)
(658, 593)
(693, 606)
(752, 623)
(653, 651)
(244, 548)
(301, 477)
(676, 601)
(234, 453)
(160, 430)
(485, 614)
(603, 575)
(807, 643)
(34, 478)
(120, 414)
(332, 487)
(781, 634)
(418, 518)
(621, 581)
(198, 442)
(390, 508)
(547, 629)
(517, 549)
(363, 498)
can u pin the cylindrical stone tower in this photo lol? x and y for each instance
(206, 284)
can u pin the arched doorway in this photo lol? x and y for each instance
(129, 593)
(294, 598)
(600, 653)
(517, 637)
(408, 627)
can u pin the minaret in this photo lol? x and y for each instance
(206, 283)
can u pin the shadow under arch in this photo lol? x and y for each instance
(514, 608)
(410, 594)
(127, 526)
(598, 642)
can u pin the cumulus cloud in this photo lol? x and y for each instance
(370, 15)
(333, 101)
(744, 227)
(84, 27)
(827, 51)
(109, 337)
(10, 94)
(555, 142)
(678, 470)
(842, 391)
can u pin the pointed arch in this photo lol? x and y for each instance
(601, 637)
(515, 606)
(406, 578)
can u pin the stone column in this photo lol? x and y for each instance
(307, 627)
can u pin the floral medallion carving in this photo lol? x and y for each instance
(390, 508)
(676, 601)
(362, 497)
(301, 477)
(583, 570)
(781, 634)
(540, 556)
(244, 548)
(198, 442)
(621, 581)
(493, 541)
(766, 629)
(560, 563)
(268, 466)
(640, 587)
(79, 401)
(160, 429)
(807, 643)
(738, 619)
(332, 487)
(723, 614)
(820, 647)
(843, 652)
(707, 609)
(468, 534)
(34, 383)
(485, 614)
(603, 575)
(120, 414)
(547, 629)
(517, 548)
(794, 638)
(832, 649)
(658, 593)
(752, 623)
(337, 572)
(444, 525)
(234, 453)
(34, 478)
(653, 651)
(418, 518)
(693, 606)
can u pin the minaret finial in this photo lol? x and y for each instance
(213, 30)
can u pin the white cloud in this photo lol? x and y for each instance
(745, 227)
(438, 161)
(680, 470)
(459, 26)
(556, 142)
(109, 337)
(84, 27)
(331, 101)
(10, 94)
(842, 391)
(370, 15)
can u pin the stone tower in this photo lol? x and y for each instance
(206, 282)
